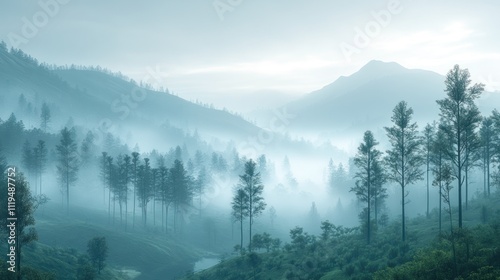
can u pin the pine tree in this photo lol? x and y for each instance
(250, 183)
(439, 159)
(457, 112)
(135, 181)
(40, 155)
(67, 166)
(429, 132)
(240, 211)
(367, 159)
(182, 192)
(405, 158)
(45, 117)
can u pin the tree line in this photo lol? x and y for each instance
(448, 149)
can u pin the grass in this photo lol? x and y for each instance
(135, 254)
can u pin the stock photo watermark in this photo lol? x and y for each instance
(225, 6)
(48, 9)
(12, 256)
(365, 34)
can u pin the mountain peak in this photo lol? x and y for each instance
(378, 67)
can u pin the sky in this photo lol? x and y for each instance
(244, 54)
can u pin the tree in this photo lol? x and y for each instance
(251, 184)
(444, 179)
(472, 144)
(456, 110)
(28, 159)
(429, 132)
(438, 159)
(144, 187)
(40, 155)
(125, 175)
(240, 211)
(164, 191)
(405, 158)
(24, 208)
(490, 142)
(67, 166)
(45, 117)
(87, 148)
(366, 160)
(135, 181)
(182, 192)
(97, 248)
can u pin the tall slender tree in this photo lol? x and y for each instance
(40, 157)
(454, 113)
(182, 192)
(240, 211)
(439, 159)
(45, 117)
(67, 166)
(487, 137)
(472, 144)
(366, 160)
(428, 132)
(135, 181)
(144, 187)
(405, 159)
(251, 184)
(164, 191)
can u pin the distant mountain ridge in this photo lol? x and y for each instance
(93, 96)
(365, 99)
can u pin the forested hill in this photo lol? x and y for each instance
(74, 93)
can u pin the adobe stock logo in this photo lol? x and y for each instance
(372, 29)
(31, 26)
(223, 6)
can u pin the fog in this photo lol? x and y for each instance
(182, 132)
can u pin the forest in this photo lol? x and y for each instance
(416, 200)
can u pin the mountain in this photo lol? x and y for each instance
(365, 100)
(93, 96)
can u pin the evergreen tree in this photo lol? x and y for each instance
(487, 137)
(429, 132)
(240, 211)
(439, 159)
(40, 155)
(97, 248)
(405, 158)
(250, 183)
(67, 166)
(164, 191)
(182, 192)
(135, 181)
(457, 112)
(367, 159)
(144, 187)
(87, 148)
(45, 117)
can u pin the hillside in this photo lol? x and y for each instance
(146, 256)
(342, 253)
(75, 93)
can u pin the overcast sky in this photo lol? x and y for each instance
(243, 49)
